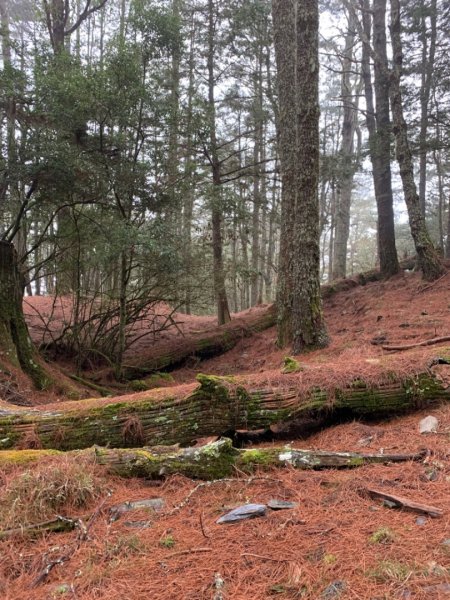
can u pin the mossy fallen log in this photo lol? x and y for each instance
(219, 459)
(212, 461)
(218, 405)
(173, 353)
(211, 343)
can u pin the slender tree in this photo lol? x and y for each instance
(428, 258)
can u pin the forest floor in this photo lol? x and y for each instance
(336, 542)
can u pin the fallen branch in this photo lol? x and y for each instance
(219, 459)
(430, 285)
(71, 549)
(432, 342)
(402, 502)
(60, 524)
(189, 551)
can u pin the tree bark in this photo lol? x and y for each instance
(285, 47)
(300, 317)
(16, 347)
(223, 311)
(347, 166)
(217, 406)
(427, 65)
(379, 128)
(428, 258)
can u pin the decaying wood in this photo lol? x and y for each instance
(406, 503)
(203, 345)
(213, 461)
(219, 459)
(217, 406)
(168, 355)
(58, 524)
(432, 342)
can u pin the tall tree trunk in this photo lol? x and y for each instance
(309, 329)
(189, 174)
(379, 128)
(296, 46)
(257, 183)
(174, 118)
(428, 258)
(426, 79)
(347, 155)
(223, 311)
(284, 31)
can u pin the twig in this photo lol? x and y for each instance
(432, 342)
(81, 537)
(189, 551)
(430, 285)
(203, 527)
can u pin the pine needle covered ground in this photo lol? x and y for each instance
(336, 543)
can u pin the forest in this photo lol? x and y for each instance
(224, 299)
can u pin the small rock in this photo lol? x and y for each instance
(281, 504)
(154, 504)
(247, 511)
(431, 475)
(390, 504)
(334, 590)
(421, 521)
(428, 425)
(366, 441)
(424, 313)
(138, 524)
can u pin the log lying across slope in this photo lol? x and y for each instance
(213, 461)
(218, 340)
(218, 405)
(202, 345)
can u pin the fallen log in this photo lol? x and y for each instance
(57, 525)
(219, 459)
(168, 355)
(212, 461)
(217, 406)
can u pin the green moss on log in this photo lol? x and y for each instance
(218, 405)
